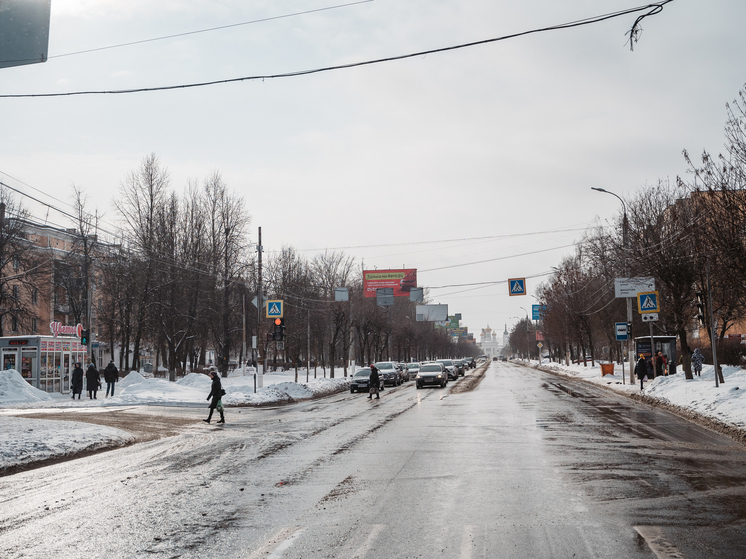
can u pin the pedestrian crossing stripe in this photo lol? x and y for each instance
(517, 286)
(274, 308)
(647, 302)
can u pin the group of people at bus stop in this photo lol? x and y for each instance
(650, 368)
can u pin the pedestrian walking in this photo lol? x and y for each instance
(374, 381)
(216, 393)
(665, 365)
(658, 364)
(93, 381)
(641, 370)
(697, 360)
(77, 380)
(111, 376)
(651, 370)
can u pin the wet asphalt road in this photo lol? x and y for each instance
(527, 465)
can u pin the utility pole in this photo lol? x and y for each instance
(713, 330)
(259, 304)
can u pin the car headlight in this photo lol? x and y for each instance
(440, 375)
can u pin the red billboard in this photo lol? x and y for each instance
(402, 281)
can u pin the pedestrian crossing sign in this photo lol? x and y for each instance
(274, 308)
(517, 286)
(647, 302)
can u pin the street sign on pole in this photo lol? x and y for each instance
(622, 333)
(538, 311)
(517, 286)
(648, 302)
(630, 287)
(650, 317)
(274, 308)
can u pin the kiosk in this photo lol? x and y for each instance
(46, 362)
(664, 344)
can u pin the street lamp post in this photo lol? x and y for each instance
(625, 243)
(528, 347)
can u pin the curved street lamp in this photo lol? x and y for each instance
(625, 243)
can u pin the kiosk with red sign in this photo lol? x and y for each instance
(46, 362)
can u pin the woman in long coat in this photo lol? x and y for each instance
(216, 393)
(93, 380)
(77, 381)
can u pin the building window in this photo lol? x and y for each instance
(14, 326)
(34, 325)
(15, 292)
(35, 296)
(16, 264)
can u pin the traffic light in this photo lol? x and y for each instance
(84, 336)
(700, 308)
(279, 333)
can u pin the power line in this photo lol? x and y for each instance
(463, 239)
(496, 259)
(654, 8)
(209, 29)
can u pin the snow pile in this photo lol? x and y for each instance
(726, 403)
(196, 380)
(15, 390)
(132, 378)
(24, 440)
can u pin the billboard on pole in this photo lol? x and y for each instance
(431, 313)
(401, 281)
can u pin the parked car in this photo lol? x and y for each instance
(361, 381)
(449, 367)
(389, 372)
(431, 374)
(413, 369)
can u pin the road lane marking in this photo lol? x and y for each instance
(278, 543)
(467, 542)
(657, 542)
(363, 549)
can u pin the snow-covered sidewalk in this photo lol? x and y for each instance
(24, 440)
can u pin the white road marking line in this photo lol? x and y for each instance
(278, 543)
(467, 542)
(363, 549)
(657, 542)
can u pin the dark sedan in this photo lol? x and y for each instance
(361, 381)
(389, 373)
(431, 374)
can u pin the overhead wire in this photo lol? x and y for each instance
(209, 29)
(653, 8)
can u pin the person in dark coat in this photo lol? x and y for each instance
(697, 360)
(111, 376)
(77, 380)
(641, 370)
(216, 393)
(374, 381)
(93, 380)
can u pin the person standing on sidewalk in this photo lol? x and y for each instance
(641, 370)
(374, 382)
(216, 393)
(111, 376)
(77, 380)
(697, 360)
(93, 381)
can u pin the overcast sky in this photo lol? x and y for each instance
(502, 140)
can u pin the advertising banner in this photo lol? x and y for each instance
(401, 281)
(431, 313)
